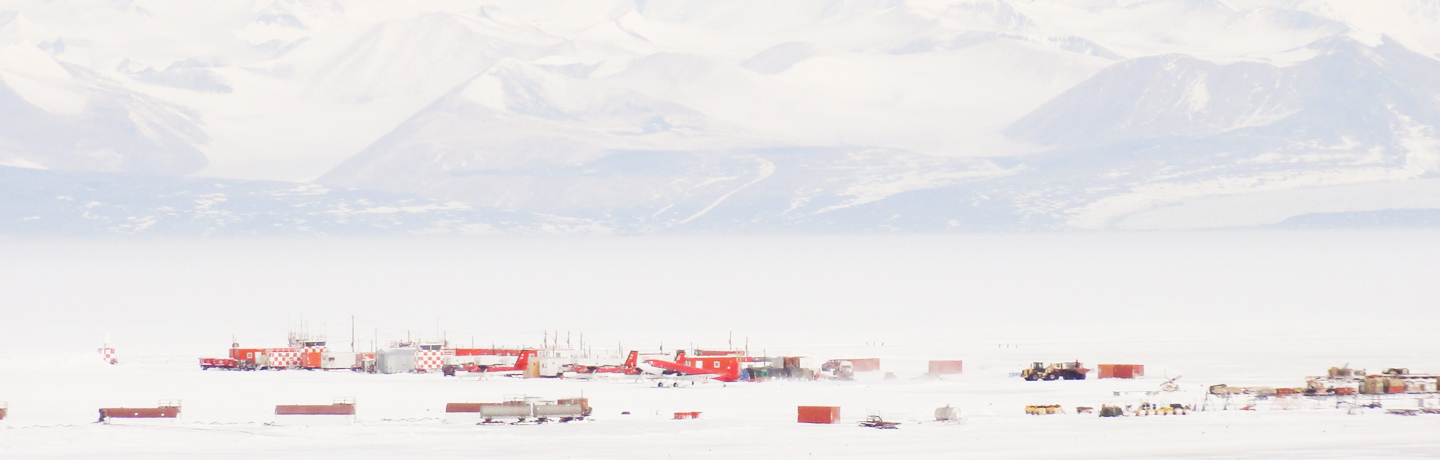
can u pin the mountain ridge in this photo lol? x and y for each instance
(639, 117)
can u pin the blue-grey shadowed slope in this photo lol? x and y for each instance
(117, 130)
(1347, 90)
(1387, 218)
(1351, 114)
(50, 203)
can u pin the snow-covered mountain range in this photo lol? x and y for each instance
(630, 116)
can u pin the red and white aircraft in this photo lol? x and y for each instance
(675, 371)
(578, 371)
(522, 362)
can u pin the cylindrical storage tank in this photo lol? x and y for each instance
(584, 404)
(946, 414)
(558, 410)
(488, 412)
(819, 414)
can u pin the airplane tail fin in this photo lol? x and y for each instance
(632, 360)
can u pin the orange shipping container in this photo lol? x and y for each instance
(1121, 371)
(946, 367)
(246, 354)
(310, 359)
(819, 414)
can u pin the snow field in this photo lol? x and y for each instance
(226, 414)
(1240, 308)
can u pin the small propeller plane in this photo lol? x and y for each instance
(675, 372)
(522, 362)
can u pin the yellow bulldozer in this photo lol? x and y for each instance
(1055, 371)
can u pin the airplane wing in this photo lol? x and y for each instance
(668, 367)
(666, 370)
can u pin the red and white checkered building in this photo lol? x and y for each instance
(283, 357)
(431, 360)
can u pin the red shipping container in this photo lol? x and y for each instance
(946, 367)
(819, 414)
(310, 359)
(1344, 391)
(246, 354)
(465, 407)
(1397, 386)
(145, 412)
(1121, 371)
(865, 364)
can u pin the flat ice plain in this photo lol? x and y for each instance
(1241, 308)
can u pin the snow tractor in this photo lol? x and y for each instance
(1055, 371)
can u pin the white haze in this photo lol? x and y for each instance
(1319, 295)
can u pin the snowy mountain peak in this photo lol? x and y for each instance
(994, 15)
(308, 15)
(693, 114)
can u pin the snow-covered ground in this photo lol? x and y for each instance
(1259, 308)
(226, 414)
